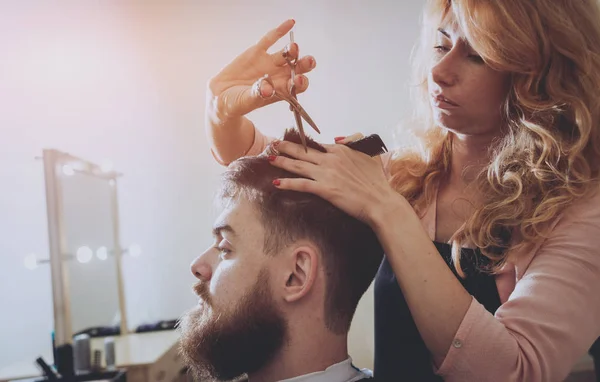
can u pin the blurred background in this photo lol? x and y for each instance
(122, 84)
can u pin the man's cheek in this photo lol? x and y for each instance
(224, 288)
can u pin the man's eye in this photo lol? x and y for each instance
(223, 251)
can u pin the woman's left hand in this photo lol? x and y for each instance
(350, 180)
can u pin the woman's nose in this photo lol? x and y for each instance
(445, 72)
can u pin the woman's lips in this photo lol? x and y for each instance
(443, 102)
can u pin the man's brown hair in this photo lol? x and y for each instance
(350, 249)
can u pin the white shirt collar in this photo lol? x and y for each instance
(344, 371)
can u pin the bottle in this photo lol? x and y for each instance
(109, 353)
(82, 354)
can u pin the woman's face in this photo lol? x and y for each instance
(466, 95)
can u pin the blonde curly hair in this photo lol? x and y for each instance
(549, 155)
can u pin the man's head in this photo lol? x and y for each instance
(279, 256)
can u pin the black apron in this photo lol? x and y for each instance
(400, 353)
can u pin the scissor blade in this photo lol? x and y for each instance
(310, 121)
(299, 109)
(301, 130)
(299, 113)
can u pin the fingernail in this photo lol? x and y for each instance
(266, 94)
(276, 182)
(312, 62)
(272, 158)
(339, 138)
(300, 80)
(275, 143)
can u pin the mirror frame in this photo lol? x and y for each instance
(53, 162)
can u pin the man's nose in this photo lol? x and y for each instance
(201, 267)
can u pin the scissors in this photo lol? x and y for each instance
(292, 99)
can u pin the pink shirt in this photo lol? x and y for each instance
(550, 312)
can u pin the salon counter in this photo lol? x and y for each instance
(147, 357)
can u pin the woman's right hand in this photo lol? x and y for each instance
(231, 91)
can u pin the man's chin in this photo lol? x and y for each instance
(194, 328)
(222, 346)
(195, 318)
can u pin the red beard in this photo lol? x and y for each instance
(222, 346)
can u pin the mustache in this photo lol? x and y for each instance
(201, 290)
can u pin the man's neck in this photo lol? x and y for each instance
(306, 352)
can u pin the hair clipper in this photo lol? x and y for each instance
(371, 145)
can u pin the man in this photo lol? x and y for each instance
(279, 287)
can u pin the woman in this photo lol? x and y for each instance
(491, 224)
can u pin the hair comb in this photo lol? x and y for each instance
(371, 145)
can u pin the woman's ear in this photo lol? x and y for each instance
(302, 266)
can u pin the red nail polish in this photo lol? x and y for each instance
(276, 182)
(339, 138)
(272, 158)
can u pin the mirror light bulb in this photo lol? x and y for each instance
(84, 254)
(68, 170)
(102, 253)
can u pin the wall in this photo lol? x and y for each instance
(125, 81)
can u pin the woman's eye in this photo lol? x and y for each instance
(476, 58)
(441, 49)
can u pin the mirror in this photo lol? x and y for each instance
(92, 273)
(85, 252)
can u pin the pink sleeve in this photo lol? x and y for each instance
(258, 145)
(549, 321)
(386, 160)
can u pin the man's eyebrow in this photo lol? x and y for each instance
(443, 31)
(222, 227)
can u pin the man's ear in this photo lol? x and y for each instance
(301, 267)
